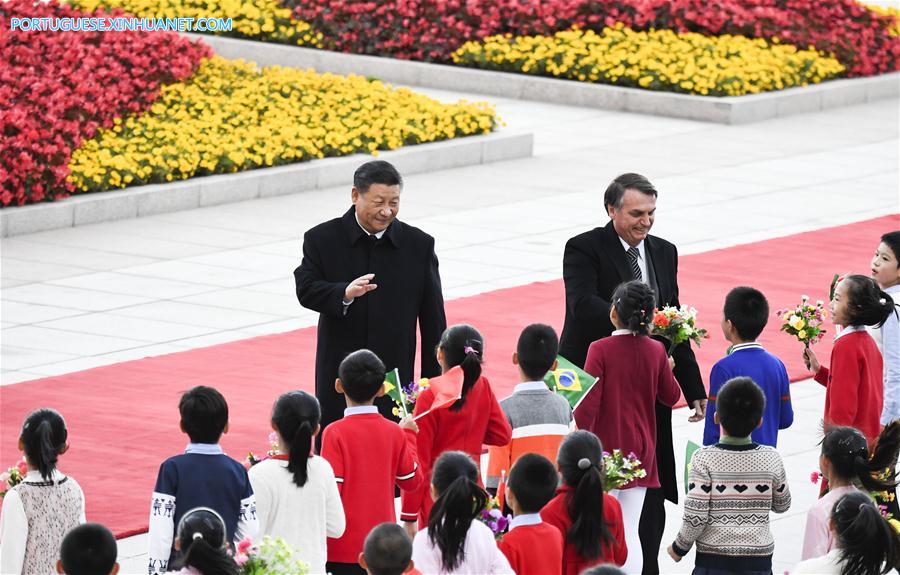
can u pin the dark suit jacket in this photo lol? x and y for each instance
(384, 320)
(594, 264)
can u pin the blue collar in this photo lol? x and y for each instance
(204, 449)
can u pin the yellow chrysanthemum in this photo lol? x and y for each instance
(655, 60)
(231, 116)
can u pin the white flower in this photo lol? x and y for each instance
(804, 298)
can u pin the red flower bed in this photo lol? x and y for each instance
(57, 88)
(433, 29)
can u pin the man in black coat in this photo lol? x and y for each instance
(371, 277)
(594, 263)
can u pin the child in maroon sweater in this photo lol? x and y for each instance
(633, 375)
(854, 383)
(369, 455)
(532, 546)
(590, 520)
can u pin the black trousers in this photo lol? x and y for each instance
(650, 529)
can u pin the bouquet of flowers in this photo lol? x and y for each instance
(274, 447)
(271, 557)
(404, 395)
(677, 325)
(620, 470)
(13, 476)
(492, 516)
(804, 321)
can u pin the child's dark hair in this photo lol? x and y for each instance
(203, 540)
(533, 481)
(460, 500)
(605, 569)
(537, 349)
(748, 311)
(740, 405)
(89, 549)
(387, 549)
(867, 303)
(44, 435)
(362, 375)
(634, 302)
(296, 415)
(463, 346)
(580, 462)
(892, 241)
(848, 452)
(868, 544)
(204, 414)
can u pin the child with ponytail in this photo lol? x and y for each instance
(454, 541)
(589, 519)
(633, 374)
(474, 420)
(202, 544)
(38, 512)
(854, 382)
(865, 543)
(297, 497)
(845, 463)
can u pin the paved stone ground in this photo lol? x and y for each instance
(78, 298)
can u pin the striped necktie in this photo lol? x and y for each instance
(633, 255)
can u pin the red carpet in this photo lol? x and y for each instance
(123, 418)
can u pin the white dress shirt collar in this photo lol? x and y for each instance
(360, 410)
(525, 519)
(640, 247)
(849, 329)
(622, 332)
(531, 386)
(377, 236)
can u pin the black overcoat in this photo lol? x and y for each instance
(384, 320)
(594, 264)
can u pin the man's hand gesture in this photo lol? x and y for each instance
(359, 287)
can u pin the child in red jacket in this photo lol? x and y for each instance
(369, 455)
(854, 383)
(474, 420)
(589, 519)
(532, 546)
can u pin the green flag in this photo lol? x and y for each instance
(393, 390)
(688, 455)
(569, 381)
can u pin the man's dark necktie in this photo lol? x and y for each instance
(633, 255)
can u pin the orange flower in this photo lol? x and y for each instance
(660, 319)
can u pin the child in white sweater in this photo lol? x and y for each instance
(297, 497)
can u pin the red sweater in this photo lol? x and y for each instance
(534, 549)
(620, 408)
(556, 513)
(480, 421)
(369, 454)
(854, 384)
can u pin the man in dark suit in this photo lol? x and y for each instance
(594, 263)
(371, 277)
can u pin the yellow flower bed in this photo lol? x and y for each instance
(888, 11)
(655, 60)
(230, 116)
(261, 19)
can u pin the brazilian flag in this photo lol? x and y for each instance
(569, 381)
(392, 389)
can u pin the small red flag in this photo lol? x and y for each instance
(447, 388)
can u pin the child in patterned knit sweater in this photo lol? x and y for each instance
(38, 512)
(731, 489)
